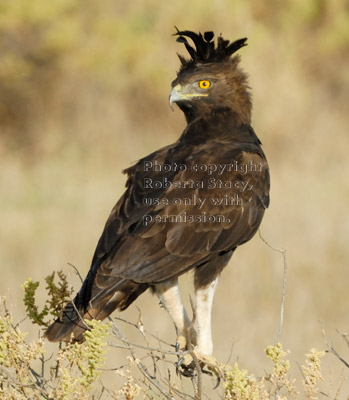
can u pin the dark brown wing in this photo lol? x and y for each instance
(159, 231)
(166, 239)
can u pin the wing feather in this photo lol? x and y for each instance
(167, 247)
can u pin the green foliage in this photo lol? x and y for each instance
(279, 378)
(35, 37)
(79, 365)
(51, 50)
(48, 46)
(16, 358)
(14, 351)
(29, 301)
(89, 357)
(277, 356)
(58, 295)
(78, 368)
(239, 384)
(312, 373)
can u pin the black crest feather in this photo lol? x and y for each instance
(205, 50)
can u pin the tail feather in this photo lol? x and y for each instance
(70, 326)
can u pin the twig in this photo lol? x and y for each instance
(198, 387)
(9, 380)
(230, 354)
(284, 284)
(159, 350)
(143, 369)
(76, 271)
(145, 331)
(333, 350)
(182, 394)
(345, 337)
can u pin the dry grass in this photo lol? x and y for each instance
(60, 167)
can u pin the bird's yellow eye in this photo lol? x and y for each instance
(205, 84)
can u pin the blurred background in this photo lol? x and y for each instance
(84, 91)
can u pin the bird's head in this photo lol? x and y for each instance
(211, 81)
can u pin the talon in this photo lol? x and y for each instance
(186, 366)
(217, 383)
(215, 369)
(183, 369)
(187, 372)
(205, 371)
(180, 362)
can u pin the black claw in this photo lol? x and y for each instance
(185, 370)
(189, 371)
(205, 371)
(182, 369)
(217, 383)
(179, 362)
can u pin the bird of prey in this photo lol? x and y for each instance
(187, 206)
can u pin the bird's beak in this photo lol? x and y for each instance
(175, 95)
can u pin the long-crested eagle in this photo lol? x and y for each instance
(187, 206)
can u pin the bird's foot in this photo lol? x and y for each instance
(181, 343)
(194, 360)
(187, 341)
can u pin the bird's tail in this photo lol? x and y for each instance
(70, 326)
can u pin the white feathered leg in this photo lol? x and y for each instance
(170, 297)
(204, 299)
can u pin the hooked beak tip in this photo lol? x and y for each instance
(171, 103)
(175, 95)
